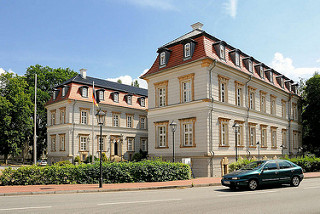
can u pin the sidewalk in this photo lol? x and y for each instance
(82, 188)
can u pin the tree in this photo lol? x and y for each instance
(47, 79)
(15, 110)
(135, 83)
(119, 81)
(311, 114)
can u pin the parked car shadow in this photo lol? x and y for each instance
(264, 187)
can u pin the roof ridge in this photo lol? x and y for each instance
(180, 38)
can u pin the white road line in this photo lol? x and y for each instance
(25, 208)
(244, 193)
(133, 202)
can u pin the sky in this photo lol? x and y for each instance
(115, 39)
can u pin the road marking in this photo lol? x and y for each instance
(245, 193)
(25, 208)
(133, 202)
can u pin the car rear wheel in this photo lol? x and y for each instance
(295, 181)
(253, 184)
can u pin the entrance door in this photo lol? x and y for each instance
(116, 148)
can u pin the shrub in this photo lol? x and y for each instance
(62, 163)
(239, 164)
(77, 159)
(140, 156)
(144, 171)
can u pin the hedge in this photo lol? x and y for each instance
(122, 172)
(308, 163)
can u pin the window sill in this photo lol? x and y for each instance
(264, 147)
(274, 147)
(253, 147)
(166, 147)
(192, 146)
(240, 146)
(224, 146)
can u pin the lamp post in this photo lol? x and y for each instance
(258, 144)
(300, 149)
(100, 117)
(236, 129)
(173, 126)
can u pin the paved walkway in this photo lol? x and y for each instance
(80, 188)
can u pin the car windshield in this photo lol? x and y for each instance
(253, 165)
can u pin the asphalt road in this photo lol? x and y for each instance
(303, 199)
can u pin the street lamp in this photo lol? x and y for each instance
(236, 130)
(100, 117)
(173, 126)
(300, 149)
(258, 144)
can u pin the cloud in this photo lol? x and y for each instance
(126, 79)
(2, 71)
(284, 65)
(155, 4)
(318, 60)
(231, 8)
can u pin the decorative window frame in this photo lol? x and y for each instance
(187, 50)
(129, 99)
(128, 120)
(284, 109)
(164, 124)
(252, 90)
(184, 121)
(284, 138)
(253, 142)
(240, 133)
(223, 80)
(53, 118)
(100, 95)
(273, 108)
(87, 142)
(55, 93)
(62, 115)
(142, 101)
(158, 86)
(114, 114)
(82, 90)
(145, 122)
(146, 144)
(116, 96)
(164, 55)
(53, 142)
(87, 110)
(182, 80)
(294, 111)
(238, 86)
(264, 131)
(62, 147)
(263, 105)
(273, 130)
(162, 59)
(224, 122)
(132, 139)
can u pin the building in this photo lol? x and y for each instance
(71, 114)
(207, 87)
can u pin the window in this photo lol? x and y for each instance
(237, 59)
(143, 144)
(101, 95)
(252, 134)
(161, 96)
(143, 122)
(295, 139)
(294, 111)
(239, 96)
(284, 138)
(186, 88)
(130, 144)
(187, 50)
(115, 119)
(53, 117)
(62, 142)
(222, 51)
(271, 77)
(240, 133)
(63, 91)
(263, 101)
(250, 66)
(187, 132)
(223, 89)
(129, 99)
(84, 92)
(84, 115)
(273, 104)
(261, 72)
(115, 97)
(54, 95)
(284, 108)
(129, 121)
(162, 59)
(274, 137)
(62, 115)
(83, 143)
(264, 136)
(161, 134)
(53, 143)
(284, 165)
(101, 142)
(224, 131)
(271, 166)
(251, 92)
(142, 102)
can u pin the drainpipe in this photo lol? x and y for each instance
(248, 109)
(289, 117)
(73, 125)
(213, 64)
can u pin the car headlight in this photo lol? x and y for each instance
(235, 178)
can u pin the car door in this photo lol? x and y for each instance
(270, 173)
(285, 171)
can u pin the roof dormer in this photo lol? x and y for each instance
(269, 73)
(260, 70)
(280, 80)
(128, 98)
(64, 90)
(235, 57)
(188, 48)
(288, 84)
(164, 54)
(294, 88)
(220, 48)
(55, 93)
(248, 63)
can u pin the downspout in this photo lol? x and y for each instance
(73, 125)
(213, 64)
(289, 117)
(248, 109)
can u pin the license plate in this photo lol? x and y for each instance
(226, 182)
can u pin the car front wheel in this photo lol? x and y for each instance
(253, 184)
(295, 181)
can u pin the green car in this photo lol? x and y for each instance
(267, 172)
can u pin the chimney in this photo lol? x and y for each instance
(197, 26)
(83, 73)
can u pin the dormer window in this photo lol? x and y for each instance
(55, 93)
(116, 97)
(261, 72)
(84, 91)
(163, 59)
(222, 51)
(142, 102)
(248, 62)
(63, 91)
(164, 54)
(187, 50)
(271, 77)
(220, 48)
(250, 65)
(237, 59)
(100, 95)
(269, 74)
(129, 99)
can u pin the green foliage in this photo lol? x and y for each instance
(140, 156)
(144, 171)
(62, 163)
(104, 157)
(239, 164)
(119, 81)
(135, 84)
(77, 159)
(89, 159)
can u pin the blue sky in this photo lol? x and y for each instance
(119, 38)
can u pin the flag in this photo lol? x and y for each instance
(94, 97)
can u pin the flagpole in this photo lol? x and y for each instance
(92, 123)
